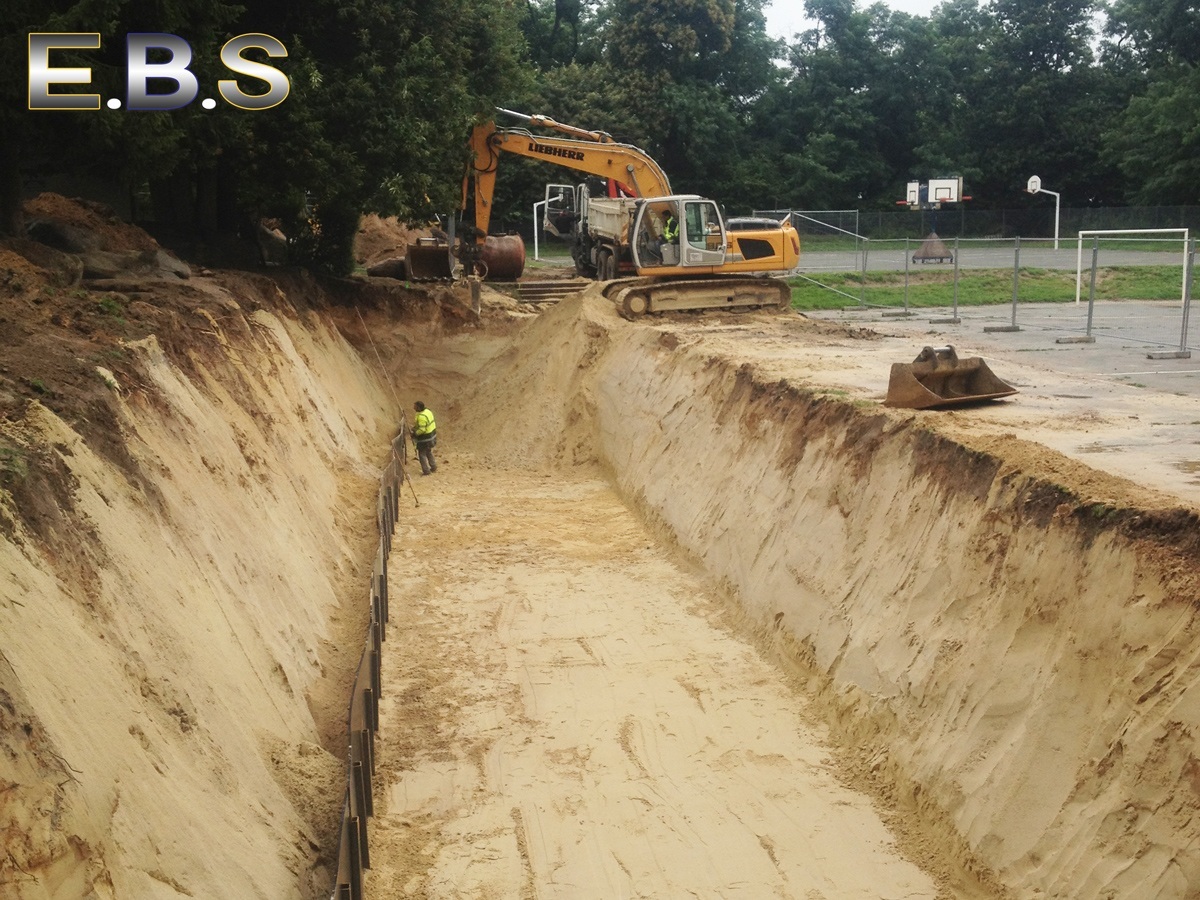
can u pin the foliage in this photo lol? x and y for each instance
(843, 115)
(1154, 142)
(382, 94)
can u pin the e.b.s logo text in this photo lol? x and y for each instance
(153, 58)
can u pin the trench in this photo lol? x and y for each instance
(673, 630)
(665, 622)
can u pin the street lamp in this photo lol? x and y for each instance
(1035, 187)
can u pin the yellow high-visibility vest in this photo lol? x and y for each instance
(425, 423)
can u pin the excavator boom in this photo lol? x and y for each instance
(620, 162)
(600, 137)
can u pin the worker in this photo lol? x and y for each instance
(425, 436)
(670, 238)
(670, 228)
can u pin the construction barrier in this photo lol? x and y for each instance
(354, 854)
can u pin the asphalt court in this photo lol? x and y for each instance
(1124, 332)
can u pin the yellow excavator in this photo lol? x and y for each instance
(678, 249)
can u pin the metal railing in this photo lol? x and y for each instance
(1156, 320)
(363, 720)
(965, 221)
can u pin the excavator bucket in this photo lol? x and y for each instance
(938, 378)
(429, 259)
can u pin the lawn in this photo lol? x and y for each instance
(981, 287)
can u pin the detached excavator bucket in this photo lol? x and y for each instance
(428, 260)
(938, 378)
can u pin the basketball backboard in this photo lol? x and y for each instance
(945, 190)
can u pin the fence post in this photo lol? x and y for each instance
(353, 845)
(1088, 337)
(360, 807)
(361, 750)
(1187, 295)
(384, 612)
(376, 673)
(1189, 269)
(1092, 287)
(1016, 289)
(954, 319)
(862, 285)
(956, 239)
(905, 312)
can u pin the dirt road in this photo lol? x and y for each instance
(571, 711)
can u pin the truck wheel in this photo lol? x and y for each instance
(582, 269)
(612, 267)
(635, 304)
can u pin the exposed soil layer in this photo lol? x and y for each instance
(683, 609)
(986, 626)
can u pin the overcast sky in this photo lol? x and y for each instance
(786, 17)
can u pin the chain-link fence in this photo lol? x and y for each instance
(962, 221)
(1093, 299)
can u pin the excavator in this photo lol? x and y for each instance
(677, 249)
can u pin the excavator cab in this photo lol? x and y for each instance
(681, 232)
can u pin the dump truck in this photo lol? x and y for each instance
(675, 249)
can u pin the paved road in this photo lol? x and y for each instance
(1125, 333)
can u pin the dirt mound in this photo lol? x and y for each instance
(96, 219)
(380, 238)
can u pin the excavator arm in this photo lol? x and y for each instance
(594, 153)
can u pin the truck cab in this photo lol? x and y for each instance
(628, 235)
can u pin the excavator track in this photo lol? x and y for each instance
(635, 297)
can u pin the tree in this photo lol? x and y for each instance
(385, 94)
(1161, 32)
(120, 145)
(1154, 142)
(1026, 94)
(1158, 141)
(689, 71)
(382, 96)
(844, 125)
(560, 32)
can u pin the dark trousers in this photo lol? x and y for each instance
(425, 455)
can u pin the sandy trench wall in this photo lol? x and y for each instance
(156, 681)
(1028, 674)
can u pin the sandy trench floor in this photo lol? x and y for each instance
(569, 710)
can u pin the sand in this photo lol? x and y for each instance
(973, 616)
(583, 715)
(684, 612)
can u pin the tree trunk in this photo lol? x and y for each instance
(174, 203)
(206, 201)
(12, 221)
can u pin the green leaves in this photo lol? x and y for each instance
(383, 93)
